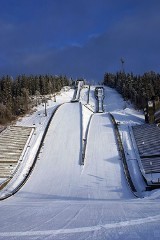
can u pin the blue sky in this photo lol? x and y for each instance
(79, 38)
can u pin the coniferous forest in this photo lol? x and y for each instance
(16, 95)
(139, 89)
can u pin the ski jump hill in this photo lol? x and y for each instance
(72, 182)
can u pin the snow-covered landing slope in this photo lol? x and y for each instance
(103, 174)
(42, 210)
(58, 164)
(58, 174)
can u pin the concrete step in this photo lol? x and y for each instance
(7, 167)
(17, 138)
(10, 150)
(5, 143)
(8, 160)
(5, 175)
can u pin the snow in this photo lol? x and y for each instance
(65, 200)
(86, 116)
(2, 180)
(92, 100)
(83, 95)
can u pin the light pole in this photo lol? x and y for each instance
(45, 106)
(54, 97)
(122, 62)
(88, 94)
(151, 169)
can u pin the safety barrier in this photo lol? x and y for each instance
(121, 150)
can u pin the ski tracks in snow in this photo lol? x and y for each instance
(122, 224)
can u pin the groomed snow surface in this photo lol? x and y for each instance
(63, 199)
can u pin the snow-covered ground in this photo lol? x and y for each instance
(65, 200)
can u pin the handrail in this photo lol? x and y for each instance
(88, 108)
